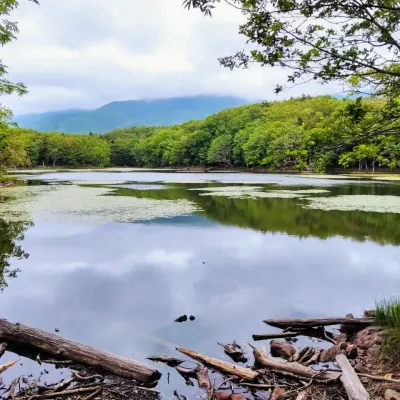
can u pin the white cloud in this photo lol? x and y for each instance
(84, 54)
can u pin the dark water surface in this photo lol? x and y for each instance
(119, 286)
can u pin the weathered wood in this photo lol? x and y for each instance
(204, 380)
(80, 353)
(219, 365)
(351, 382)
(282, 335)
(307, 323)
(170, 361)
(234, 351)
(3, 347)
(292, 368)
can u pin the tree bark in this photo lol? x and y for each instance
(351, 382)
(80, 353)
(307, 323)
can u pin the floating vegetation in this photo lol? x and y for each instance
(370, 203)
(86, 203)
(256, 192)
(138, 186)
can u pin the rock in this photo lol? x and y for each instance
(350, 316)
(280, 348)
(192, 318)
(278, 393)
(182, 318)
(360, 368)
(392, 395)
(351, 351)
(368, 337)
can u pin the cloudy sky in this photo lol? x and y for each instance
(86, 53)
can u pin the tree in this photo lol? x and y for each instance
(220, 151)
(320, 40)
(8, 32)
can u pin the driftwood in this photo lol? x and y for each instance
(351, 382)
(234, 351)
(3, 347)
(281, 335)
(317, 333)
(310, 323)
(83, 354)
(170, 361)
(293, 369)
(64, 393)
(204, 380)
(222, 366)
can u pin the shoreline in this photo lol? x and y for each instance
(377, 175)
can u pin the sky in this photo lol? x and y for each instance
(84, 54)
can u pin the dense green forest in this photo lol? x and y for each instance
(303, 133)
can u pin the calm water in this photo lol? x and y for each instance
(119, 286)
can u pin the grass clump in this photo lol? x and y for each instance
(387, 313)
(390, 348)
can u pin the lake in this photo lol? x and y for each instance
(115, 258)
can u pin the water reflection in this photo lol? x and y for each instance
(279, 215)
(120, 286)
(10, 234)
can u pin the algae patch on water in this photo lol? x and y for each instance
(370, 203)
(256, 192)
(86, 203)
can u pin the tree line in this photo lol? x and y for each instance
(305, 133)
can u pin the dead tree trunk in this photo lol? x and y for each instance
(79, 353)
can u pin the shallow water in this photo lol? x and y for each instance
(118, 281)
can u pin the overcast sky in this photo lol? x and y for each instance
(86, 53)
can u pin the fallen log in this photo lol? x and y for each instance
(293, 368)
(351, 382)
(310, 323)
(80, 353)
(222, 366)
(282, 335)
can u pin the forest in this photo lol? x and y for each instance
(314, 134)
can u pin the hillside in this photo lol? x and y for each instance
(122, 114)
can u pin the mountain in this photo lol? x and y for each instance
(122, 114)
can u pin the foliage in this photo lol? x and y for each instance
(305, 133)
(8, 32)
(387, 313)
(390, 348)
(323, 41)
(10, 233)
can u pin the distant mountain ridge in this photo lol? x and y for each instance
(122, 114)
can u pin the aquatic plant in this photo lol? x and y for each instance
(256, 192)
(87, 203)
(371, 203)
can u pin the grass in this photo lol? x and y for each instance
(387, 314)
